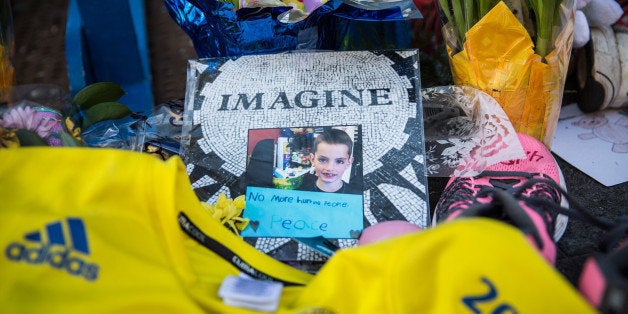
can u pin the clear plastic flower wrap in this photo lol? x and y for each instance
(466, 131)
(157, 134)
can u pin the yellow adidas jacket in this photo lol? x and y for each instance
(109, 231)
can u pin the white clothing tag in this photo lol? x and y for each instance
(250, 293)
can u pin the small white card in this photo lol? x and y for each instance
(596, 143)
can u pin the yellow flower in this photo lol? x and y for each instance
(74, 130)
(240, 201)
(8, 138)
(228, 212)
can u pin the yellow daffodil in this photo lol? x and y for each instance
(8, 138)
(228, 212)
(73, 129)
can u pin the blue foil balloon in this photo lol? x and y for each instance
(217, 30)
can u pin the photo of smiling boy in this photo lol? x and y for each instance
(331, 156)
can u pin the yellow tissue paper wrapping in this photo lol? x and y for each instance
(498, 58)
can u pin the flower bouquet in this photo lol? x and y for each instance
(33, 124)
(517, 52)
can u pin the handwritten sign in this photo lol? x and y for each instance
(289, 213)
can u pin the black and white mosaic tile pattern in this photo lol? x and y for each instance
(218, 119)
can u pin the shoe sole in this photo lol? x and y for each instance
(560, 225)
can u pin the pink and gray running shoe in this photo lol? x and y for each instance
(524, 193)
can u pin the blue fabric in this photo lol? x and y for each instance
(217, 30)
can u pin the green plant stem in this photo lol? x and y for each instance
(545, 12)
(444, 5)
(459, 20)
(541, 46)
(469, 14)
(484, 6)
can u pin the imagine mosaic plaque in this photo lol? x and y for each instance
(298, 96)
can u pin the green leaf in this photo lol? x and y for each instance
(459, 19)
(70, 141)
(546, 16)
(104, 111)
(444, 4)
(96, 93)
(29, 138)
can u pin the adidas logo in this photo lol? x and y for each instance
(62, 245)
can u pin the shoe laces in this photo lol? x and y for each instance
(615, 245)
(465, 191)
(503, 200)
(604, 278)
(617, 233)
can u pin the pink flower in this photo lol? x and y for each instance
(29, 119)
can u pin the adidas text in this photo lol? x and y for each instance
(57, 257)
